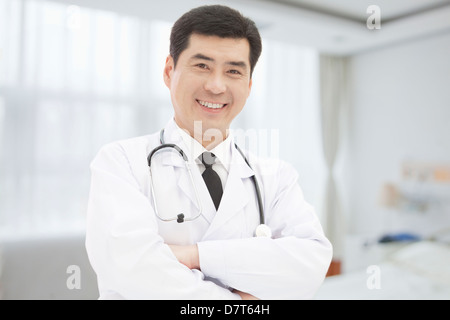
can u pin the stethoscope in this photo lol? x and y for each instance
(261, 230)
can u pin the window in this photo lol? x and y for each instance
(75, 78)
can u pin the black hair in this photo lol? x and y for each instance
(215, 20)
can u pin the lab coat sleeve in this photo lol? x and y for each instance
(290, 265)
(129, 257)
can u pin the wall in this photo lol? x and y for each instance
(46, 268)
(400, 111)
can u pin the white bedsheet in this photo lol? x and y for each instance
(419, 271)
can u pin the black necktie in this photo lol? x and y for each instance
(211, 178)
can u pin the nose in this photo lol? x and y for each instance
(215, 84)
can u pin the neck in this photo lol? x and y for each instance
(208, 138)
(209, 142)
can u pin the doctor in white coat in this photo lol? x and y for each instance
(136, 254)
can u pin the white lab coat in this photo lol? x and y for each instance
(126, 242)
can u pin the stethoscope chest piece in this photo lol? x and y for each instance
(263, 231)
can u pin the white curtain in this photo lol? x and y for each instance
(333, 101)
(283, 111)
(75, 78)
(71, 80)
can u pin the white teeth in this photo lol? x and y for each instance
(211, 105)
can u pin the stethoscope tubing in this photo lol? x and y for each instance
(180, 217)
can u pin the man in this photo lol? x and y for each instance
(213, 254)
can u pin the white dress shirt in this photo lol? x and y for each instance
(222, 152)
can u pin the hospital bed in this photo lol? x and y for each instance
(418, 270)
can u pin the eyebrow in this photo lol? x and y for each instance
(200, 56)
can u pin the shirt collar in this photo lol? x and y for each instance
(223, 152)
(194, 149)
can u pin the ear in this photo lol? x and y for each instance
(168, 69)
(249, 87)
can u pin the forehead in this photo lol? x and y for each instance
(221, 49)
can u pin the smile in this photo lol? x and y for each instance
(211, 105)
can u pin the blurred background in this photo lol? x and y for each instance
(354, 94)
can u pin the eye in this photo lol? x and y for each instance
(236, 72)
(202, 66)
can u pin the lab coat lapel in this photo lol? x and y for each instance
(175, 160)
(235, 196)
(183, 179)
(187, 186)
(204, 203)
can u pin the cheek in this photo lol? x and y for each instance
(177, 90)
(241, 95)
(184, 86)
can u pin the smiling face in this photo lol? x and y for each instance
(210, 83)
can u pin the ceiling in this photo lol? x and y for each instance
(341, 28)
(356, 9)
(330, 26)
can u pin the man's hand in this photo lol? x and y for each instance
(187, 255)
(244, 295)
